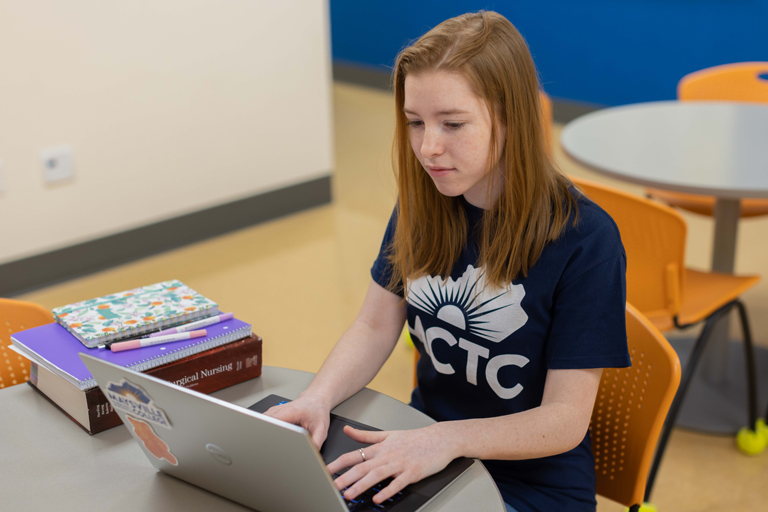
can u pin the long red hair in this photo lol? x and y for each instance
(534, 202)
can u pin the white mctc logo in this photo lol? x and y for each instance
(474, 353)
(480, 310)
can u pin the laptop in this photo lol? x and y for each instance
(241, 454)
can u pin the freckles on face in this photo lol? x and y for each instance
(450, 133)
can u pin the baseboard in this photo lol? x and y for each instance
(367, 76)
(563, 110)
(82, 259)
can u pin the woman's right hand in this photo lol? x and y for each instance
(307, 411)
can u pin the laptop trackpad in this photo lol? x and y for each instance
(338, 443)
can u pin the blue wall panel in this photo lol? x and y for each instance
(609, 52)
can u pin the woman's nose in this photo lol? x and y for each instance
(431, 145)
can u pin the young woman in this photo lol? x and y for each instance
(511, 282)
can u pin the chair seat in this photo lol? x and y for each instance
(705, 293)
(705, 205)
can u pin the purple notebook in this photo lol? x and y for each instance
(53, 347)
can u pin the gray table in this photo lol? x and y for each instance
(49, 463)
(712, 148)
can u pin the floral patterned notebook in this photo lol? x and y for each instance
(135, 312)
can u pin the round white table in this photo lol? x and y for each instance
(710, 148)
(47, 462)
(714, 148)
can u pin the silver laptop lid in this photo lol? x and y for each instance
(261, 462)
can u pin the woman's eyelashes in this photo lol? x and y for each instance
(448, 124)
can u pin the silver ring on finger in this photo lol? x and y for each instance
(362, 453)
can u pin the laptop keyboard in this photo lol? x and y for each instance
(364, 502)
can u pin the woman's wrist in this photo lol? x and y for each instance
(453, 437)
(318, 398)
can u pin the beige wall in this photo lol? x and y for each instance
(171, 106)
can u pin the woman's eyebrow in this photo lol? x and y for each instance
(441, 113)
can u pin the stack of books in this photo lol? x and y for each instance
(228, 354)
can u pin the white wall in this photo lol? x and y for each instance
(171, 106)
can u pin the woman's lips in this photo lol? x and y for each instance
(437, 172)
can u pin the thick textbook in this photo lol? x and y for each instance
(53, 347)
(131, 313)
(209, 371)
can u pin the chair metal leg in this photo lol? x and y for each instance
(674, 409)
(634, 508)
(749, 354)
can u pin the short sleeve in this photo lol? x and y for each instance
(588, 328)
(381, 271)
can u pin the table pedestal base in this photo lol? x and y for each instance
(715, 358)
(721, 408)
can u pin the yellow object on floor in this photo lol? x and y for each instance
(751, 442)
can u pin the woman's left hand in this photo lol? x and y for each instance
(406, 456)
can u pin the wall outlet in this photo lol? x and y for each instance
(2, 184)
(58, 163)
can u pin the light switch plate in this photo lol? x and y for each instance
(58, 163)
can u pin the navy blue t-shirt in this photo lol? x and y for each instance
(485, 352)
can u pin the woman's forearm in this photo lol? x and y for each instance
(541, 432)
(558, 425)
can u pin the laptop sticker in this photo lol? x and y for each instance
(154, 444)
(130, 398)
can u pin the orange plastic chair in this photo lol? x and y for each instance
(729, 82)
(670, 295)
(630, 410)
(15, 316)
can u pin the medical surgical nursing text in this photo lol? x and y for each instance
(203, 373)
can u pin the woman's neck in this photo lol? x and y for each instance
(478, 195)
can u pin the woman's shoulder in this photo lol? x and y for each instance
(590, 229)
(589, 219)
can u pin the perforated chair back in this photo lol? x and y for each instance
(15, 316)
(654, 239)
(629, 412)
(741, 81)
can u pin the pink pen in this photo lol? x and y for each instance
(148, 342)
(205, 322)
